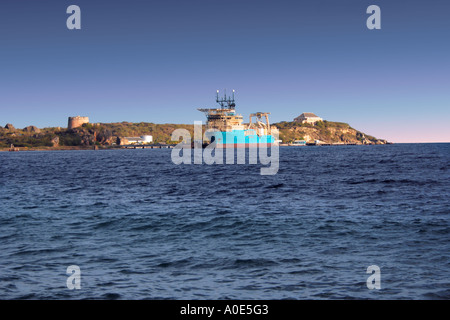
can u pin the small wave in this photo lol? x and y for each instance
(100, 204)
(291, 260)
(239, 263)
(392, 181)
(27, 252)
(275, 186)
(30, 207)
(143, 227)
(105, 224)
(440, 295)
(111, 296)
(176, 263)
(70, 190)
(30, 296)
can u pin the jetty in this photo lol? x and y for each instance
(148, 146)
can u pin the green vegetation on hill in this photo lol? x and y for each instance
(27, 138)
(161, 132)
(325, 131)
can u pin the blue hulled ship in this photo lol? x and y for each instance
(227, 129)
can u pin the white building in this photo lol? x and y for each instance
(308, 117)
(137, 140)
(147, 139)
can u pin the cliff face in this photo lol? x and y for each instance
(325, 131)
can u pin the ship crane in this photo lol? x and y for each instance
(259, 117)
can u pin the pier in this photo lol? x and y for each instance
(148, 146)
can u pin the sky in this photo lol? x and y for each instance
(159, 60)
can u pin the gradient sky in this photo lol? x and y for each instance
(159, 60)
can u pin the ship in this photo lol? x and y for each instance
(228, 130)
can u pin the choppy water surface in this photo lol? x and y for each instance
(140, 227)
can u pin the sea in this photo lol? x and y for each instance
(335, 222)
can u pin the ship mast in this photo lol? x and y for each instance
(226, 102)
(225, 117)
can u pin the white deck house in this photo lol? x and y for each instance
(308, 117)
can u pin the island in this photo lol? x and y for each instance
(81, 134)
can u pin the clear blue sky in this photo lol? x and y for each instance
(157, 61)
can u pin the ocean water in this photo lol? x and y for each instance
(140, 227)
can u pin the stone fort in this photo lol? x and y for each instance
(75, 122)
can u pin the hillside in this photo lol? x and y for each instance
(101, 134)
(325, 131)
(107, 134)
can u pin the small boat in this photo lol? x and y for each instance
(298, 143)
(12, 148)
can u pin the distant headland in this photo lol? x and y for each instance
(81, 134)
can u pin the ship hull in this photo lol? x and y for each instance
(241, 139)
